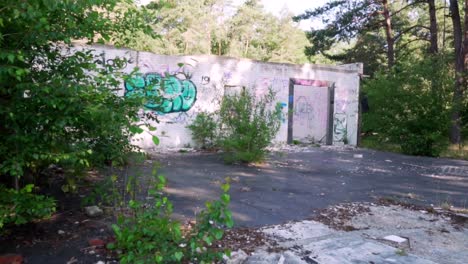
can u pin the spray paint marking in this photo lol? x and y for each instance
(164, 94)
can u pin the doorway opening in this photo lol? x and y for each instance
(310, 111)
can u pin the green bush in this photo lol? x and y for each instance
(465, 119)
(411, 106)
(103, 193)
(428, 143)
(248, 125)
(21, 207)
(61, 105)
(149, 235)
(204, 129)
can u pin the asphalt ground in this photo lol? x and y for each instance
(292, 185)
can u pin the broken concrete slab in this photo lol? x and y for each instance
(338, 248)
(428, 238)
(264, 257)
(237, 257)
(298, 231)
(353, 249)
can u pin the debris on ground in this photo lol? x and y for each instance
(364, 233)
(337, 216)
(93, 211)
(245, 239)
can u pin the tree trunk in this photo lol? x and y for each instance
(465, 46)
(389, 34)
(434, 49)
(455, 126)
(247, 44)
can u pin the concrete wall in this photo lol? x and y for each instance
(206, 78)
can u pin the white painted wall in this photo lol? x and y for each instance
(211, 74)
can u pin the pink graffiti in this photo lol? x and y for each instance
(163, 68)
(306, 82)
(266, 82)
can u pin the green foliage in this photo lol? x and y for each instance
(58, 105)
(376, 142)
(248, 125)
(353, 31)
(21, 207)
(53, 109)
(104, 193)
(410, 106)
(209, 228)
(464, 115)
(208, 27)
(149, 235)
(204, 130)
(256, 34)
(344, 20)
(296, 142)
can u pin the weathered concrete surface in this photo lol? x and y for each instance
(198, 82)
(433, 239)
(291, 185)
(428, 235)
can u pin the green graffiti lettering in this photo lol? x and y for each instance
(163, 94)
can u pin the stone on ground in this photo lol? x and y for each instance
(396, 239)
(93, 211)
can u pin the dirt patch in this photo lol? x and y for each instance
(64, 237)
(246, 239)
(337, 216)
(458, 217)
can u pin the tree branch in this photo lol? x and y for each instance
(409, 29)
(407, 6)
(411, 41)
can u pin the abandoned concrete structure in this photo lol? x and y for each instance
(319, 103)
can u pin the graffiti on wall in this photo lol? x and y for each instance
(307, 82)
(304, 111)
(205, 80)
(311, 107)
(276, 84)
(165, 94)
(283, 115)
(339, 127)
(119, 62)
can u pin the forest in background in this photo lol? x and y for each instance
(219, 27)
(414, 83)
(415, 56)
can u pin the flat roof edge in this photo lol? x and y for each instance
(344, 68)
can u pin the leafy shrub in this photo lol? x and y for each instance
(204, 130)
(103, 193)
(21, 207)
(465, 120)
(53, 110)
(60, 106)
(427, 143)
(149, 235)
(411, 106)
(248, 125)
